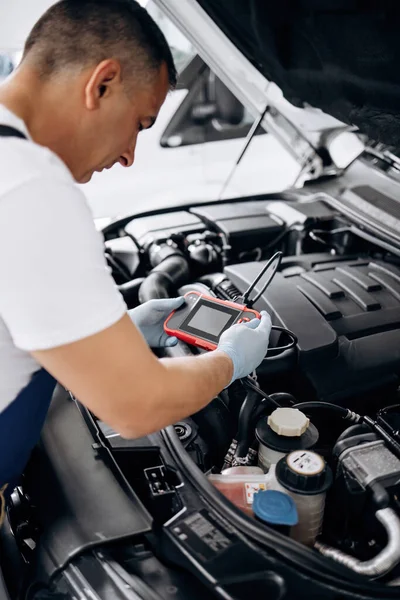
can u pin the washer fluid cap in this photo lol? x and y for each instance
(289, 422)
(275, 508)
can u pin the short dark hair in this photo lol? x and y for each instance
(79, 33)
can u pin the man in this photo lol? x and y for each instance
(93, 75)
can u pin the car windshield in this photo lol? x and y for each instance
(182, 49)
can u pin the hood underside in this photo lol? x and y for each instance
(341, 56)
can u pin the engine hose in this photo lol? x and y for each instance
(384, 561)
(252, 400)
(255, 406)
(166, 277)
(345, 413)
(216, 422)
(358, 429)
(283, 398)
(262, 410)
(130, 291)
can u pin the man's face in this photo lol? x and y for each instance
(111, 130)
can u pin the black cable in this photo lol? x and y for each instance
(288, 346)
(284, 397)
(345, 413)
(279, 237)
(276, 258)
(248, 382)
(323, 405)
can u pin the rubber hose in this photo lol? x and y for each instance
(352, 430)
(165, 279)
(322, 405)
(215, 421)
(384, 562)
(245, 422)
(265, 405)
(130, 291)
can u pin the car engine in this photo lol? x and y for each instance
(341, 298)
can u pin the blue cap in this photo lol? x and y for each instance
(275, 508)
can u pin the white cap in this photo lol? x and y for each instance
(289, 422)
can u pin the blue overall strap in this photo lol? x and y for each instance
(6, 131)
(20, 426)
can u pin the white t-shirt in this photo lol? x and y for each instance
(55, 287)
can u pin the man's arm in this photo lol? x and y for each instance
(63, 309)
(116, 375)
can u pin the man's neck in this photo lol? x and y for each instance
(42, 107)
(16, 95)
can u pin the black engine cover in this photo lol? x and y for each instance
(346, 314)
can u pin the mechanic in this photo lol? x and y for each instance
(94, 73)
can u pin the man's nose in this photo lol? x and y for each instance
(127, 158)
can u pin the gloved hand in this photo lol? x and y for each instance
(246, 344)
(149, 319)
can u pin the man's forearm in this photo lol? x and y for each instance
(116, 376)
(184, 386)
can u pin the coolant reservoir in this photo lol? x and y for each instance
(241, 485)
(306, 477)
(285, 430)
(242, 470)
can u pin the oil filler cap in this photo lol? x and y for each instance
(289, 422)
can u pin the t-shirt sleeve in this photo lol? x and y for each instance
(55, 287)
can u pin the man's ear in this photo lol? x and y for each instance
(103, 79)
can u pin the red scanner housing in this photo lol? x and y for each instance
(202, 319)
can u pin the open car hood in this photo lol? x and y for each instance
(340, 57)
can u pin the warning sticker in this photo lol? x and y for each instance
(205, 536)
(251, 489)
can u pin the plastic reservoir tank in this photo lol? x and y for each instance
(306, 477)
(239, 484)
(285, 430)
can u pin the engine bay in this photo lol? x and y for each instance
(308, 448)
(347, 289)
(341, 297)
